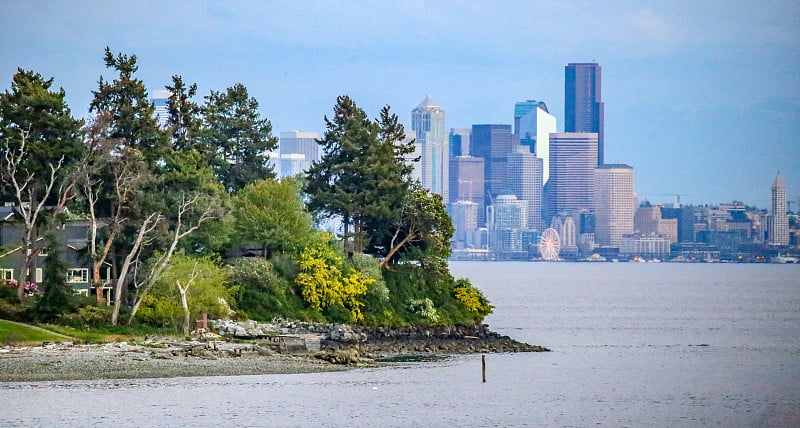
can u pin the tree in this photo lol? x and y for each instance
(184, 120)
(189, 286)
(133, 122)
(41, 142)
(270, 213)
(421, 231)
(362, 176)
(237, 138)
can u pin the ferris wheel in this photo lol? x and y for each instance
(549, 245)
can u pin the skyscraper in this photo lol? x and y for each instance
(573, 159)
(613, 203)
(300, 142)
(160, 99)
(583, 105)
(493, 144)
(779, 230)
(533, 125)
(428, 121)
(459, 141)
(467, 183)
(525, 180)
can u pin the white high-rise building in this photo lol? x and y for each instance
(160, 99)
(465, 222)
(428, 121)
(533, 125)
(300, 142)
(613, 203)
(525, 179)
(573, 159)
(779, 226)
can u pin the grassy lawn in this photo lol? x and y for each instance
(18, 335)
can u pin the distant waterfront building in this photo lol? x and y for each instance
(525, 180)
(493, 144)
(465, 222)
(685, 221)
(467, 183)
(458, 141)
(573, 159)
(414, 158)
(567, 233)
(613, 203)
(428, 121)
(508, 212)
(160, 99)
(300, 142)
(648, 221)
(779, 230)
(647, 246)
(583, 103)
(533, 125)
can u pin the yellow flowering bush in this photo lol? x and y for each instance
(472, 298)
(323, 284)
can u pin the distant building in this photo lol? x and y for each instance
(567, 232)
(493, 144)
(292, 164)
(465, 222)
(414, 158)
(779, 230)
(648, 221)
(300, 142)
(647, 246)
(685, 221)
(573, 159)
(428, 121)
(533, 125)
(613, 203)
(459, 141)
(507, 219)
(525, 180)
(467, 183)
(160, 99)
(583, 104)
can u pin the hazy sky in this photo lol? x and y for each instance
(701, 97)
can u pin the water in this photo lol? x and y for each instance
(633, 345)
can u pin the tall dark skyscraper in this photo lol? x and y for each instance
(493, 144)
(583, 105)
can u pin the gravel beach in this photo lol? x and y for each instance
(123, 361)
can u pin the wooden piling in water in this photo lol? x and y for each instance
(483, 366)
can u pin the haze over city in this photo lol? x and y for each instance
(701, 98)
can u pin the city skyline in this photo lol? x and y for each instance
(697, 105)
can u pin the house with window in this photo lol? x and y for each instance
(73, 237)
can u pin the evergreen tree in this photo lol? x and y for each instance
(237, 139)
(184, 121)
(132, 123)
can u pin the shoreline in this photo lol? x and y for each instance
(357, 347)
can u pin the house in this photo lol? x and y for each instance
(73, 236)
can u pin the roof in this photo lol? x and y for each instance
(6, 213)
(523, 107)
(428, 104)
(778, 183)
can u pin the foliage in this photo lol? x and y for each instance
(263, 292)
(206, 294)
(324, 284)
(57, 297)
(271, 214)
(87, 316)
(237, 138)
(472, 298)
(425, 308)
(33, 108)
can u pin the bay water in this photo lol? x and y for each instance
(633, 344)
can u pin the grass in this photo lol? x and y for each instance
(12, 334)
(109, 333)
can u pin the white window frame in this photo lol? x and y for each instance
(77, 275)
(7, 274)
(39, 275)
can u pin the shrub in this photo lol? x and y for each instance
(472, 298)
(88, 316)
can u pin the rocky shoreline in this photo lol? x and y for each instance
(296, 348)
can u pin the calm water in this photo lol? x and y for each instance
(633, 345)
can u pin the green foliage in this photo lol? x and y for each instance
(206, 292)
(264, 292)
(271, 214)
(87, 316)
(325, 285)
(57, 297)
(34, 108)
(236, 138)
(424, 308)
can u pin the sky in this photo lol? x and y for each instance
(702, 98)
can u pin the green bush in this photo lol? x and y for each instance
(87, 316)
(263, 293)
